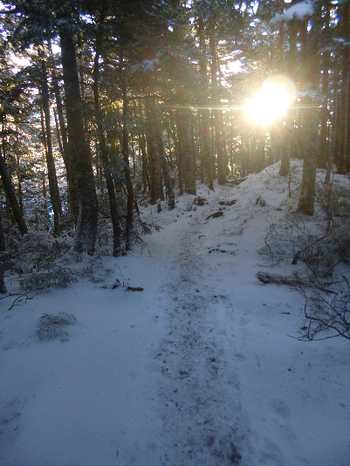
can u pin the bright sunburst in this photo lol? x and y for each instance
(271, 102)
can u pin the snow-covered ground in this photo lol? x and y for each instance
(199, 368)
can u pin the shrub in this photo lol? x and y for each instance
(51, 326)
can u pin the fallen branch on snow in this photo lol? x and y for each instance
(267, 278)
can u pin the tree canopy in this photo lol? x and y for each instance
(108, 104)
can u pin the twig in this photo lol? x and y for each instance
(17, 299)
(298, 253)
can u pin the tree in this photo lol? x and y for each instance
(205, 136)
(102, 145)
(154, 148)
(54, 192)
(11, 196)
(186, 148)
(62, 137)
(309, 146)
(2, 283)
(86, 228)
(10, 95)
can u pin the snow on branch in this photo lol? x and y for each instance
(298, 11)
(150, 65)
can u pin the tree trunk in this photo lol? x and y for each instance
(113, 204)
(143, 152)
(186, 148)
(323, 159)
(346, 84)
(2, 236)
(86, 228)
(154, 147)
(19, 178)
(73, 194)
(54, 192)
(287, 141)
(2, 248)
(2, 283)
(11, 196)
(204, 113)
(129, 187)
(217, 114)
(309, 148)
(342, 99)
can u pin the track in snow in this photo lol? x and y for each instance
(199, 392)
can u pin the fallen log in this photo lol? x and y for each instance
(215, 215)
(278, 279)
(267, 278)
(134, 288)
(237, 181)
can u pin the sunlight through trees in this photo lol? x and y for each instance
(105, 105)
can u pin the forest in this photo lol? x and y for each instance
(106, 106)
(221, 130)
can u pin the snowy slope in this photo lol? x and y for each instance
(199, 368)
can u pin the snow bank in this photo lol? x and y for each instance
(198, 369)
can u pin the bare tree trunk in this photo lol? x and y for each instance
(86, 228)
(113, 204)
(2, 248)
(73, 194)
(346, 83)
(154, 147)
(11, 196)
(186, 148)
(2, 236)
(342, 117)
(324, 152)
(54, 192)
(287, 142)
(143, 152)
(309, 147)
(2, 282)
(204, 113)
(217, 114)
(129, 187)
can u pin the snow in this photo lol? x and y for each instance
(150, 65)
(199, 368)
(298, 11)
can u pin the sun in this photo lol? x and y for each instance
(272, 101)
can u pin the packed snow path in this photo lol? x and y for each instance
(199, 393)
(196, 370)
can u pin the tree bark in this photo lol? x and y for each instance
(2, 236)
(2, 282)
(324, 153)
(342, 98)
(113, 204)
(186, 148)
(86, 228)
(169, 182)
(129, 187)
(11, 196)
(217, 114)
(276, 279)
(309, 148)
(143, 152)
(287, 132)
(51, 170)
(73, 194)
(204, 113)
(154, 147)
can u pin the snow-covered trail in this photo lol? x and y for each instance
(196, 370)
(199, 392)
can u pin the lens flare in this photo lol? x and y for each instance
(271, 102)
